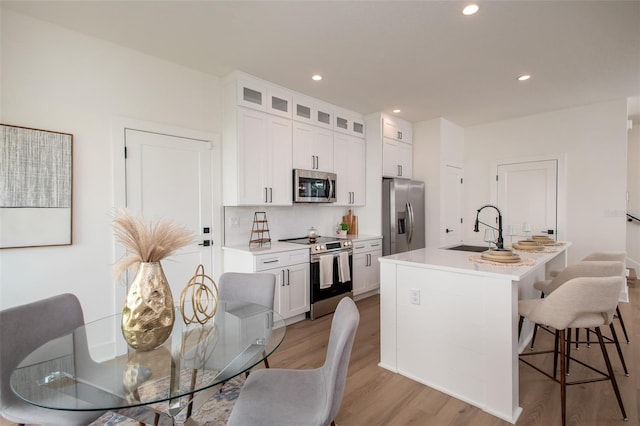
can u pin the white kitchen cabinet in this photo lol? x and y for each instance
(291, 270)
(348, 123)
(397, 158)
(395, 128)
(312, 147)
(349, 165)
(262, 96)
(263, 158)
(397, 149)
(312, 111)
(366, 269)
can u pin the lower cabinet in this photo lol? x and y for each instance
(292, 290)
(366, 269)
(290, 268)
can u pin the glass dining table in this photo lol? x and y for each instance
(93, 369)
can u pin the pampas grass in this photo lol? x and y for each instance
(146, 241)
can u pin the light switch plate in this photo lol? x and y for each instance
(414, 296)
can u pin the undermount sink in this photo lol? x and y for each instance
(464, 247)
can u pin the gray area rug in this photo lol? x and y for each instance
(214, 412)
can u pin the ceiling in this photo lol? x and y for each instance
(423, 57)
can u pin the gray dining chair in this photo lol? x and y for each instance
(585, 302)
(250, 288)
(23, 329)
(301, 397)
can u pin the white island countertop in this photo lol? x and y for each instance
(459, 261)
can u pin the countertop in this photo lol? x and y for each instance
(280, 246)
(458, 261)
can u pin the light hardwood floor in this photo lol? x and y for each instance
(375, 396)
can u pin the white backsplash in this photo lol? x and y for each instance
(284, 222)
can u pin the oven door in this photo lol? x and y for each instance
(314, 187)
(337, 288)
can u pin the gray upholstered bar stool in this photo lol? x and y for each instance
(584, 269)
(586, 302)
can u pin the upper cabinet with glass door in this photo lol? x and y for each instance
(312, 111)
(348, 123)
(257, 94)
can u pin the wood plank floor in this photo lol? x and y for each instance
(375, 396)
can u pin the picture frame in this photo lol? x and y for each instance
(36, 187)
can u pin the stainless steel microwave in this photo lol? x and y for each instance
(311, 186)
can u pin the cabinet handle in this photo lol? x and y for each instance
(317, 162)
(271, 195)
(375, 245)
(399, 135)
(266, 199)
(288, 277)
(270, 261)
(282, 285)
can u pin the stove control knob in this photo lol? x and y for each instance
(323, 247)
(317, 248)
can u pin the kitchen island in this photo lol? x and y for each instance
(450, 321)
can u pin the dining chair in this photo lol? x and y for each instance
(585, 302)
(250, 288)
(23, 329)
(310, 397)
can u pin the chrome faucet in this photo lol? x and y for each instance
(500, 242)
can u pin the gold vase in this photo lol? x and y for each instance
(148, 314)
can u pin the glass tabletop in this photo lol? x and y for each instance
(92, 368)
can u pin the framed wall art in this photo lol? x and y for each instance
(36, 182)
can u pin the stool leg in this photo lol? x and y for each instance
(624, 329)
(612, 377)
(577, 338)
(568, 334)
(617, 343)
(533, 339)
(563, 377)
(555, 354)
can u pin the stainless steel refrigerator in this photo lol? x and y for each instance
(403, 215)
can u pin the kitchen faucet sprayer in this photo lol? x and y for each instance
(476, 228)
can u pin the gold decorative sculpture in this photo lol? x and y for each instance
(148, 314)
(204, 298)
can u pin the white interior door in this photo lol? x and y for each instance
(171, 177)
(527, 194)
(452, 205)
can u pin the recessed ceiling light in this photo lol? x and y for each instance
(470, 9)
(396, 111)
(524, 77)
(316, 77)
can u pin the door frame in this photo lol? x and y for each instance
(561, 196)
(118, 127)
(443, 240)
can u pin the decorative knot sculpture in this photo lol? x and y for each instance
(202, 291)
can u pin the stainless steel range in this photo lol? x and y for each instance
(330, 268)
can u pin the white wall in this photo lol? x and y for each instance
(436, 143)
(594, 139)
(633, 205)
(55, 79)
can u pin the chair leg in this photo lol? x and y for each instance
(563, 377)
(624, 329)
(533, 339)
(612, 376)
(555, 354)
(614, 335)
(568, 334)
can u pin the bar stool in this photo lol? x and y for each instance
(615, 256)
(585, 302)
(583, 269)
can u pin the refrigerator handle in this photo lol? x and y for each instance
(410, 230)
